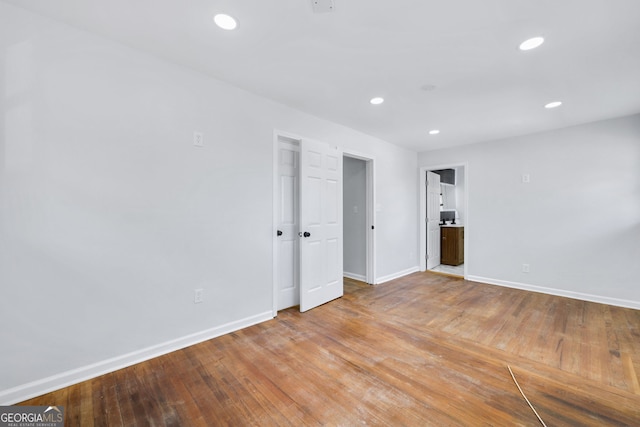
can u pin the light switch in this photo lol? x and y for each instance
(198, 295)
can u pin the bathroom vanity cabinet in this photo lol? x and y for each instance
(451, 245)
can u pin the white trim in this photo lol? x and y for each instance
(371, 221)
(423, 212)
(277, 134)
(274, 229)
(398, 274)
(55, 382)
(355, 276)
(558, 292)
(422, 185)
(371, 213)
(356, 155)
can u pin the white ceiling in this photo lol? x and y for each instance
(331, 64)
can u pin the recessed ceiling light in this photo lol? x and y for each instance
(225, 22)
(553, 104)
(377, 100)
(434, 132)
(531, 43)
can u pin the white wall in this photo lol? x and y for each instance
(355, 218)
(577, 223)
(110, 217)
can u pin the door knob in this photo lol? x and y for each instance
(305, 234)
(279, 233)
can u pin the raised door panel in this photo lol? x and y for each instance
(288, 273)
(321, 218)
(433, 220)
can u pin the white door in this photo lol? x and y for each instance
(320, 224)
(287, 224)
(433, 220)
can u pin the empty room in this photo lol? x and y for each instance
(320, 212)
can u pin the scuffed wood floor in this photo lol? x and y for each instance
(423, 350)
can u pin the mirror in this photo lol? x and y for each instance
(448, 200)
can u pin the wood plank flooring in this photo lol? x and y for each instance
(423, 350)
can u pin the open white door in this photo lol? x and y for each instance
(320, 224)
(433, 220)
(287, 223)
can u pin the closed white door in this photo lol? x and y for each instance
(433, 220)
(287, 223)
(321, 264)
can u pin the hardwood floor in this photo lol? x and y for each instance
(421, 350)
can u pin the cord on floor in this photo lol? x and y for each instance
(525, 397)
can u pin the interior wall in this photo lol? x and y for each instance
(110, 217)
(355, 218)
(576, 223)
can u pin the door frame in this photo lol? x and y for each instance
(371, 213)
(423, 211)
(429, 221)
(370, 197)
(277, 135)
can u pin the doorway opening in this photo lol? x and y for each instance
(445, 218)
(358, 218)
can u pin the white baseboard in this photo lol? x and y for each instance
(355, 276)
(36, 388)
(558, 292)
(397, 275)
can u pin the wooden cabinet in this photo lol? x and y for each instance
(452, 245)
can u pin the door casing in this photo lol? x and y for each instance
(287, 222)
(279, 135)
(370, 213)
(433, 220)
(423, 212)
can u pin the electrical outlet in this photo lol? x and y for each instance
(322, 6)
(526, 178)
(198, 139)
(198, 296)
(525, 268)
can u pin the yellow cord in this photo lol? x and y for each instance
(525, 397)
